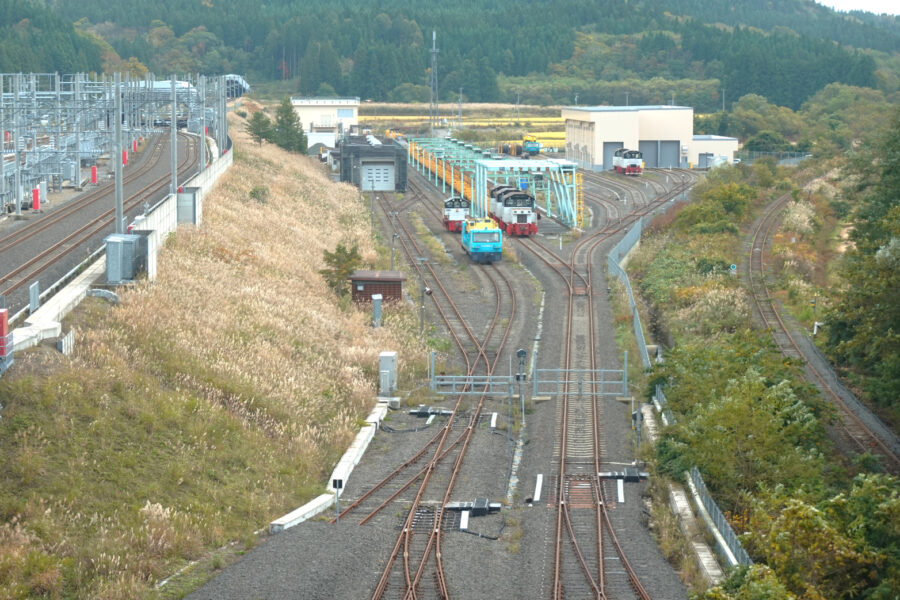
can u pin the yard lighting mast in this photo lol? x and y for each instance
(433, 106)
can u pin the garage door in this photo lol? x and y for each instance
(705, 160)
(650, 150)
(608, 149)
(668, 154)
(378, 176)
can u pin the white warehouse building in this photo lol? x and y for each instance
(325, 120)
(664, 135)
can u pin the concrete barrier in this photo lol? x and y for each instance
(342, 471)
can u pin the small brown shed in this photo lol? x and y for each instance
(387, 283)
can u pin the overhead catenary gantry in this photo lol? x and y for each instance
(52, 125)
(466, 170)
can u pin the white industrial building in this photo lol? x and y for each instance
(325, 120)
(664, 134)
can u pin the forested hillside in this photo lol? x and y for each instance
(782, 50)
(33, 39)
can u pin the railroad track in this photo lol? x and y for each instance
(588, 561)
(430, 476)
(852, 427)
(49, 240)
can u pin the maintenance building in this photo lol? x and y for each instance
(664, 134)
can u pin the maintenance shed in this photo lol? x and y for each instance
(372, 164)
(664, 134)
(387, 283)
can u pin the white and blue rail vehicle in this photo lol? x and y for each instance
(482, 240)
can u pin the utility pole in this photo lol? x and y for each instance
(425, 292)
(520, 377)
(433, 106)
(117, 154)
(173, 141)
(626, 98)
(372, 203)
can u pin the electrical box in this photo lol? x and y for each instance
(387, 370)
(121, 250)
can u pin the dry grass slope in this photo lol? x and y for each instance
(204, 405)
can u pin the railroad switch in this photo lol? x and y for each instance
(426, 411)
(478, 508)
(630, 474)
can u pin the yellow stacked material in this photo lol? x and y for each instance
(480, 224)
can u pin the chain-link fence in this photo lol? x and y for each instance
(620, 250)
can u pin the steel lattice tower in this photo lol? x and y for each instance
(433, 106)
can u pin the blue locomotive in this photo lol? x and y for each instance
(482, 240)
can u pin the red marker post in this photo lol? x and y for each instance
(94, 174)
(36, 199)
(4, 334)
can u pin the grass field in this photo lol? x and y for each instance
(484, 124)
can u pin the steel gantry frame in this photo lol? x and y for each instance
(53, 125)
(468, 171)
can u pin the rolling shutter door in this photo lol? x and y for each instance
(608, 149)
(650, 150)
(378, 176)
(668, 154)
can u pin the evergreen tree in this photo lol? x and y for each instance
(864, 326)
(310, 75)
(288, 131)
(259, 126)
(341, 264)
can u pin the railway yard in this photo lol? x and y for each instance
(580, 537)
(558, 505)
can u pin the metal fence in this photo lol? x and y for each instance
(721, 523)
(615, 256)
(782, 158)
(662, 406)
(592, 383)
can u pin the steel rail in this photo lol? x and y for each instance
(21, 234)
(855, 428)
(53, 253)
(404, 539)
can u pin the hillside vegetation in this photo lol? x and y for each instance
(495, 51)
(202, 406)
(818, 525)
